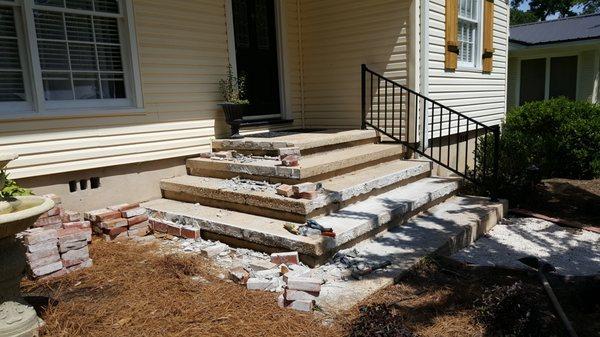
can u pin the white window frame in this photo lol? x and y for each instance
(36, 105)
(477, 47)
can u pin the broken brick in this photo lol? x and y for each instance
(299, 295)
(113, 223)
(137, 219)
(214, 250)
(285, 258)
(304, 187)
(48, 221)
(124, 207)
(285, 190)
(239, 275)
(38, 235)
(308, 195)
(77, 224)
(306, 306)
(101, 215)
(290, 160)
(133, 212)
(75, 256)
(304, 284)
(69, 216)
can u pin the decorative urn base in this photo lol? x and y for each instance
(233, 116)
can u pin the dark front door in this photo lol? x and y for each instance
(256, 54)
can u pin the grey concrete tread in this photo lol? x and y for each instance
(444, 229)
(264, 201)
(309, 166)
(303, 140)
(350, 223)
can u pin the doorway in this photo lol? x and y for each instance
(257, 56)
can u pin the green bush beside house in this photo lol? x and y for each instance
(557, 138)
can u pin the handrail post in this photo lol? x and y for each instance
(496, 130)
(363, 95)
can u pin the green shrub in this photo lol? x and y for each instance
(559, 137)
(9, 188)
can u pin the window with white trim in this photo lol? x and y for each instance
(79, 55)
(468, 32)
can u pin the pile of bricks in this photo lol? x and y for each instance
(165, 227)
(299, 191)
(58, 242)
(300, 288)
(119, 222)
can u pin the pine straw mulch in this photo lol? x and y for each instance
(132, 291)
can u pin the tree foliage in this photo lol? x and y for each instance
(540, 10)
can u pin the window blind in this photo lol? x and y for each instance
(80, 55)
(12, 87)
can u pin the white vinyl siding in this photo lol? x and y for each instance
(469, 91)
(338, 36)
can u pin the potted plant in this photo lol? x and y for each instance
(233, 89)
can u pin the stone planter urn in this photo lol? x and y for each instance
(17, 318)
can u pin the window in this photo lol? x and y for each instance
(533, 80)
(12, 86)
(80, 54)
(468, 32)
(548, 77)
(563, 77)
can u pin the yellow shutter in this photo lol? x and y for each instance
(451, 34)
(488, 36)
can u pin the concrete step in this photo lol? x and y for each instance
(306, 140)
(337, 192)
(314, 167)
(444, 229)
(351, 224)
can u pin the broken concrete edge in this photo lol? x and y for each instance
(466, 236)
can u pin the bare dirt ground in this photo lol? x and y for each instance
(570, 199)
(132, 291)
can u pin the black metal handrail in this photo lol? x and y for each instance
(431, 129)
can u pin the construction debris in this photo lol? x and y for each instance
(119, 222)
(58, 242)
(285, 258)
(290, 160)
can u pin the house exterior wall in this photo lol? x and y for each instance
(469, 91)
(588, 67)
(183, 51)
(337, 37)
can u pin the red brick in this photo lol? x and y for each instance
(174, 229)
(285, 190)
(290, 160)
(285, 258)
(50, 220)
(133, 212)
(309, 195)
(158, 226)
(57, 210)
(102, 215)
(66, 235)
(77, 224)
(112, 223)
(35, 236)
(190, 232)
(124, 207)
(70, 216)
(114, 231)
(137, 219)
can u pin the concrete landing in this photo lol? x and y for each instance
(263, 200)
(314, 167)
(443, 229)
(352, 223)
(307, 142)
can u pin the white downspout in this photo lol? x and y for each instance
(424, 66)
(301, 59)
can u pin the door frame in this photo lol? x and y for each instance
(282, 57)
